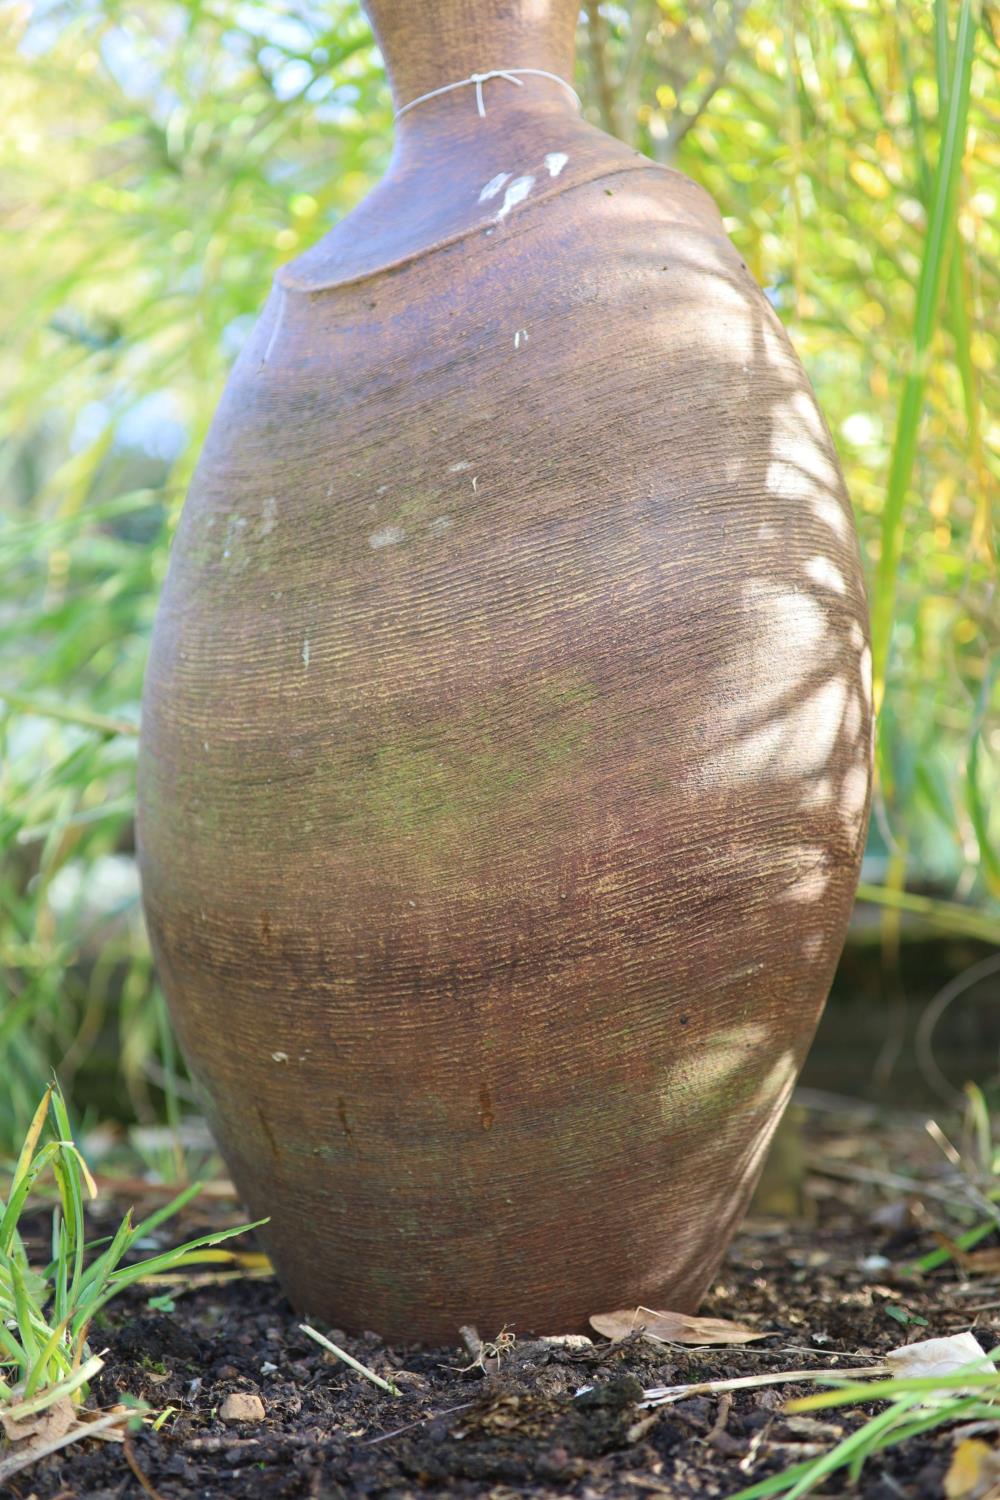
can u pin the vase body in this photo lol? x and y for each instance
(506, 742)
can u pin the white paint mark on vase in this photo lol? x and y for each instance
(279, 1057)
(493, 186)
(305, 652)
(276, 329)
(269, 516)
(389, 536)
(813, 945)
(555, 161)
(515, 194)
(460, 468)
(234, 531)
(520, 337)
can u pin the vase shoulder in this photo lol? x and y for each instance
(479, 187)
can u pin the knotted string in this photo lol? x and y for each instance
(480, 78)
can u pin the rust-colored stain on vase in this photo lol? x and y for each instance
(485, 1107)
(506, 741)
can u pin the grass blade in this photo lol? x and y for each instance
(67, 1387)
(952, 916)
(84, 718)
(944, 1254)
(53, 1344)
(31, 1139)
(940, 229)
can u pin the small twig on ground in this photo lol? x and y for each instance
(180, 1285)
(828, 1167)
(348, 1359)
(758, 1440)
(665, 1395)
(972, 1192)
(721, 1417)
(471, 1339)
(430, 1416)
(484, 1349)
(138, 1470)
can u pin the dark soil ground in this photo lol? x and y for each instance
(826, 1279)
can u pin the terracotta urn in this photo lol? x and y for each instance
(506, 740)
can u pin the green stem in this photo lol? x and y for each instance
(85, 718)
(954, 100)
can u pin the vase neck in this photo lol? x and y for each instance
(427, 44)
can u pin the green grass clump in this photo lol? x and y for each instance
(917, 1405)
(46, 1312)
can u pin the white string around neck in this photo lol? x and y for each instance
(509, 74)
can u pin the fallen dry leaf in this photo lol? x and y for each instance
(974, 1471)
(961, 1351)
(975, 1262)
(673, 1327)
(42, 1426)
(981, 1262)
(22, 1455)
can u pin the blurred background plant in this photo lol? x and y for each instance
(160, 159)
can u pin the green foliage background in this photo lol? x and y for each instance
(158, 160)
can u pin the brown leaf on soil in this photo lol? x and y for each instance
(981, 1262)
(42, 1426)
(673, 1327)
(50, 1437)
(975, 1262)
(974, 1473)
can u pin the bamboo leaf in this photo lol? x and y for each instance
(940, 229)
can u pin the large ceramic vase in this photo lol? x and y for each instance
(505, 747)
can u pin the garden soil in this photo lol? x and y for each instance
(821, 1266)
